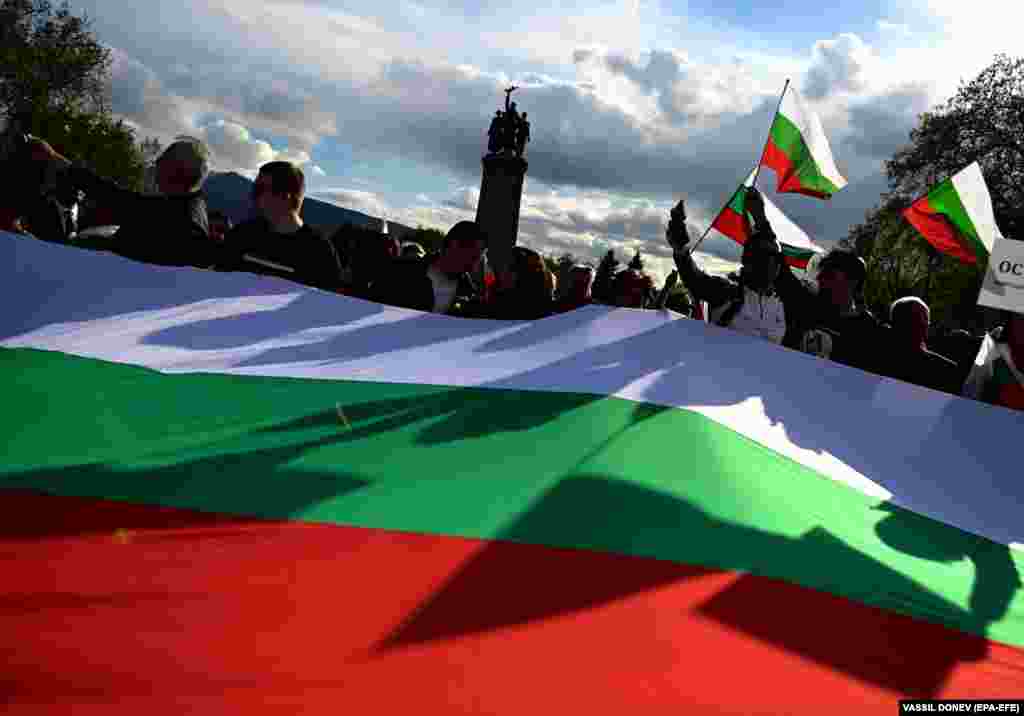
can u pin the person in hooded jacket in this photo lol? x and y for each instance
(768, 301)
(762, 300)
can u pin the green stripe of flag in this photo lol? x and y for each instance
(789, 141)
(471, 462)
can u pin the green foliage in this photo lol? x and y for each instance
(54, 83)
(106, 145)
(983, 122)
(49, 60)
(901, 263)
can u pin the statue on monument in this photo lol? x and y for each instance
(511, 127)
(523, 135)
(495, 134)
(509, 131)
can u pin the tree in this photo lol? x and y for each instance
(565, 263)
(50, 60)
(983, 122)
(637, 264)
(54, 83)
(606, 270)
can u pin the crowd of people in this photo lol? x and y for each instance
(765, 299)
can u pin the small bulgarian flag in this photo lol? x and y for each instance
(734, 223)
(956, 216)
(798, 150)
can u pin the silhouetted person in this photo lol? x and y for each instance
(632, 289)
(170, 228)
(511, 128)
(523, 135)
(438, 283)
(495, 132)
(838, 328)
(962, 348)
(524, 288)
(760, 300)
(278, 242)
(13, 198)
(908, 357)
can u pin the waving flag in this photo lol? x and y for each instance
(227, 493)
(956, 216)
(735, 223)
(798, 150)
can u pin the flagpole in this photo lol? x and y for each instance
(757, 171)
(720, 212)
(768, 139)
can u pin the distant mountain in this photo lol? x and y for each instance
(230, 192)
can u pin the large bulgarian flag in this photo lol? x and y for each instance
(734, 222)
(223, 493)
(798, 150)
(956, 216)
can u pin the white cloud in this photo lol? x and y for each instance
(318, 170)
(842, 64)
(618, 109)
(367, 202)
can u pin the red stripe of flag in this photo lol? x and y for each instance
(111, 608)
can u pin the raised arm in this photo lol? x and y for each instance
(716, 290)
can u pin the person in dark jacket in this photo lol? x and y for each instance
(632, 288)
(438, 283)
(578, 293)
(764, 300)
(962, 348)
(908, 358)
(170, 228)
(524, 291)
(768, 300)
(278, 242)
(835, 327)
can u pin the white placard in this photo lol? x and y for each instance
(1003, 286)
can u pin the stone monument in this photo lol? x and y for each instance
(501, 187)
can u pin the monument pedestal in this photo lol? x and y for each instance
(497, 212)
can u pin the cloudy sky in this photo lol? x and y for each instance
(633, 104)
